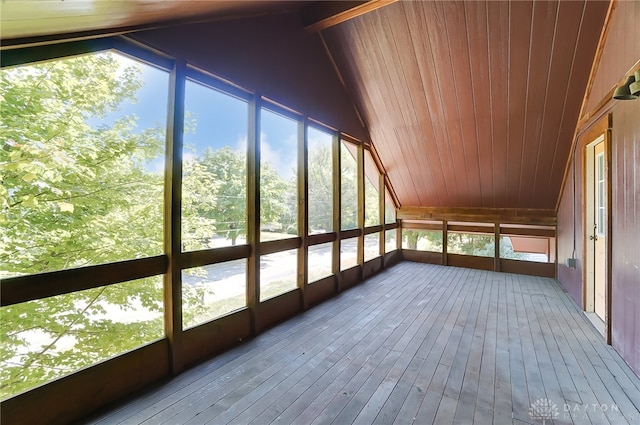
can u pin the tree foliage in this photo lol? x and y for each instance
(76, 190)
(67, 186)
(348, 189)
(320, 172)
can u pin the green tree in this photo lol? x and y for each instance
(78, 188)
(320, 172)
(432, 240)
(229, 171)
(348, 189)
(215, 188)
(278, 200)
(471, 244)
(70, 190)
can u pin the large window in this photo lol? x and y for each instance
(82, 164)
(477, 244)
(320, 261)
(212, 291)
(82, 147)
(320, 180)
(349, 185)
(390, 243)
(82, 156)
(371, 192)
(389, 208)
(278, 176)
(528, 248)
(48, 338)
(278, 273)
(422, 240)
(214, 183)
(371, 246)
(348, 253)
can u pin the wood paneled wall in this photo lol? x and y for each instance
(625, 257)
(270, 54)
(620, 51)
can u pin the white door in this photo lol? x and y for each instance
(596, 203)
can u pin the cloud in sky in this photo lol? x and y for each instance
(282, 157)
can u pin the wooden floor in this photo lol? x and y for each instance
(419, 344)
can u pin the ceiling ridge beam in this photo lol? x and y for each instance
(321, 15)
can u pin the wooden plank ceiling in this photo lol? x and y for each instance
(471, 104)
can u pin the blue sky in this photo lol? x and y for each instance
(214, 119)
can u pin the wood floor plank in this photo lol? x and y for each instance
(415, 344)
(431, 351)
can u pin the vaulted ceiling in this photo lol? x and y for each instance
(468, 104)
(471, 104)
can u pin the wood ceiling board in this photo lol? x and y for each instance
(593, 17)
(557, 95)
(463, 96)
(368, 71)
(542, 38)
(442, 163)
(480, 86)
(407, 86)
(393, 159)
(498, 30)
(519, 38)
(441, 50)
(429, 129)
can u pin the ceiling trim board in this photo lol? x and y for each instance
(321, 15)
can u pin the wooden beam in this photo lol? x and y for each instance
(303, 210)
(381, 213)
(527, 231)
(337, 209)
(173, 215)
(422, 226)
(481, 215)
(214, 256)
(44, 53)
(361, 205)
(321, 15)
(322, 238)
(20, 289)
(391, 226)
(280, 245)
(253, 214)
(445, 238)
(372, 229)
(351, 233)
(496, 253)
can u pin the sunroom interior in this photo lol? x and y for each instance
(180, 178)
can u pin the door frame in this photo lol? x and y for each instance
(602, 129)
